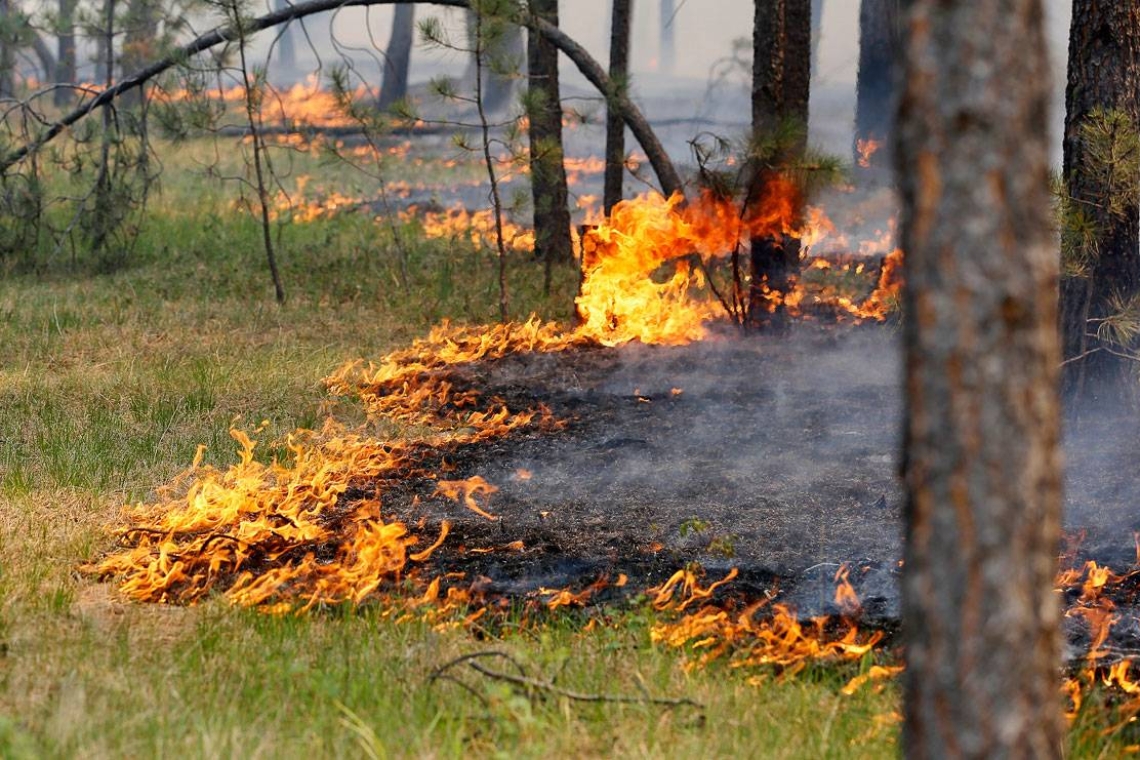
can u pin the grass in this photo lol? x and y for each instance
(108, 383)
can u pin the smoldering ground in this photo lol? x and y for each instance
(776, 455)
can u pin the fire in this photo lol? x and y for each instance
(466, 490)
(304, 104)
(644, 269)
(867, 149)
(478, 227)
(265, 534)
(778, 640)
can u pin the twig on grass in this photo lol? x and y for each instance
(534, 687)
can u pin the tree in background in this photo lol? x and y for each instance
(1100, 293)
(875, 86)
(816, 34)
(286, 45)
(7, 49)
(547, 168)
(140, 39)
(66, 64)
(982, 468)
(620, 18)
(503, 55)
(667, 53)
(398, 56)
(781, 84)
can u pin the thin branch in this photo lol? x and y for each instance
(539, 686)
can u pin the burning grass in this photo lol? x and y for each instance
(110, 381)
(309, 528)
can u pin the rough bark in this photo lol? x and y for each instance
(65, 72)
(398, 57)
(547, 170)
(615, 126)
(875, 85)
(981, 464)
(666, 173)
(1104, 72)
(781, 85)
(668, 40)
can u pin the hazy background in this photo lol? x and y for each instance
(704, 34)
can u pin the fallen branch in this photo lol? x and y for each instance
(666, 173)
(538, 687)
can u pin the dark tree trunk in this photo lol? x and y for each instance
(668, 48)
(547, 170)
(982, 466)
(65, 72)
(875, 86)
(503, 56)
(7, 52)
(286, 47)
(398, 56)
(42, 51)
(140, 41)
(1104, 73)
(781, 85)
(816, 34)
(615, 124)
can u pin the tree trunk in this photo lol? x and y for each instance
(503, 55)
(547, 170)
(982, 465)
(1104, 73)
(42, 51)
(875, 87)
(65, 72)
(781, 85)
(615, 124)
(668, 48)
(286, 46)
(7, 52)
(140, 41)
(816, 34)
(398, 56)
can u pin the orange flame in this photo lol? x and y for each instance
(867, 149)
(467, 490)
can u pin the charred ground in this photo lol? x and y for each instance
(775, 455)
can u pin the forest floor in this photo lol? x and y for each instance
(109, 382)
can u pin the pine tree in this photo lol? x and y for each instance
(1100, 295)
(982, 428)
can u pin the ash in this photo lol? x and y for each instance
(777, 455)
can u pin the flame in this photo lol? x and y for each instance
(304, 104)
(867, 149)
(845, 597)
(466, 490)
(478, 227)
(780, 639)
(643, 268)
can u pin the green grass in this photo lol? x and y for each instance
(108, 383)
